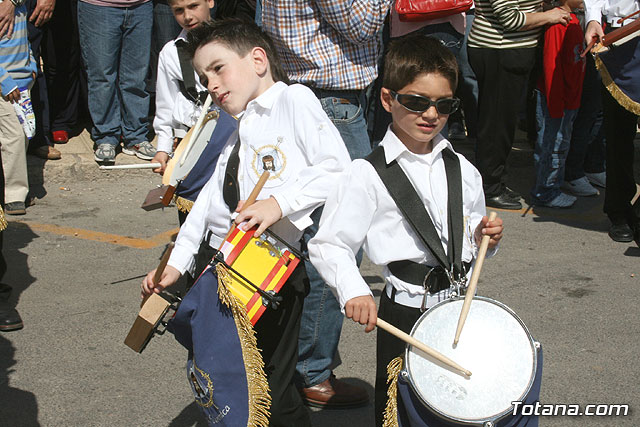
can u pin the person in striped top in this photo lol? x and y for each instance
(501, 51)
(17, 72)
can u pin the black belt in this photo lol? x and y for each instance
(434, 279)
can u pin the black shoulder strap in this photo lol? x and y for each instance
(188, 83)
(414, 211)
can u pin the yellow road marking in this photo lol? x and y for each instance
(97, 236)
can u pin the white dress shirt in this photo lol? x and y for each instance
(611, 9)
(287, 125)
(361, 213)
(175, 113)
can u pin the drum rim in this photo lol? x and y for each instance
(476, 421)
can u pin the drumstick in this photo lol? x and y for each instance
(256, 190)
(471, 289)
(161, 267)
(250, 200)
(205, 109)
(621, 20)
(141, 166)
(421, 346)
(589, 47)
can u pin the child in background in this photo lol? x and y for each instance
(420, 78)
(17, 73)
(559, 91)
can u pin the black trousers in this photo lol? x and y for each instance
(66, 80)
(277, 334)
(388, 347)
(502, 78)
(620, 131)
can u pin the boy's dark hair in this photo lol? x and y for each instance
(240, 36)
(416, 54)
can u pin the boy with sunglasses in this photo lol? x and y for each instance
(419, 81)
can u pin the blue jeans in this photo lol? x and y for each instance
(321, 322)
(115, 46)
(587, 150)
(552, 146)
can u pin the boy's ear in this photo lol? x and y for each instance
(385, 99)
(260, 60)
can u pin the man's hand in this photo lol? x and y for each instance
(594, 29)
(493, 229)
(13, 96)
(162, 158)
(263, 213)
(7, 15)
(169, 276)
(43, 12)
(362, 310)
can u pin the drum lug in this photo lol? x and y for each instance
(537, 345)
(404, 374)
(272, 300)
(488, 424)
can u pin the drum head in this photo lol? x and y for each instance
(179, 171)
(494, 345)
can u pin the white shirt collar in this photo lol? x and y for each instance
(182, 36)
(267, 98)
(393, 147)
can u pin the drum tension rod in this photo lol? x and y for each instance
(281, 240)
(273, 299)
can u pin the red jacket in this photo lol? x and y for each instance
(563, 69)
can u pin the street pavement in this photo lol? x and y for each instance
(70, 257)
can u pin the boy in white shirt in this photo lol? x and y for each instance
(179, 94)
(282, 129)
(419, 81)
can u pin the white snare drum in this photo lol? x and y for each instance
(495, 346)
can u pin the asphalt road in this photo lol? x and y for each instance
(575, 289)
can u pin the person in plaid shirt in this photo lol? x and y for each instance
(331, 46)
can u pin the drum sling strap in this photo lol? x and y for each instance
(231, 191)
(414, 211)
(188, 83)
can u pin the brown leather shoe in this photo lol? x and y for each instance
(334, 394)
(47, 152)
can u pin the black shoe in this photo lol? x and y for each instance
(10, 320)
(513, 195)
(621, 233)
(503, 201)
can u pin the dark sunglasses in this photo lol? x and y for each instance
(420, 104)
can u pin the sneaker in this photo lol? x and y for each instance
(599, 179)
(144, 150)
(456, 131)
(105, 153)
(15, 208)
(579, 187)
(562, 200)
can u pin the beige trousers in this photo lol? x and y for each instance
(13, 143)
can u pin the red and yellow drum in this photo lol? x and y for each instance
(259, 261)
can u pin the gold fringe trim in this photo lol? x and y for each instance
(622, 98)
(259, 398)
(391, 411)
(183, 205)
(3, 220)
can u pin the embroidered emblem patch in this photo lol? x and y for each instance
(270, 158)
(201, 385)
